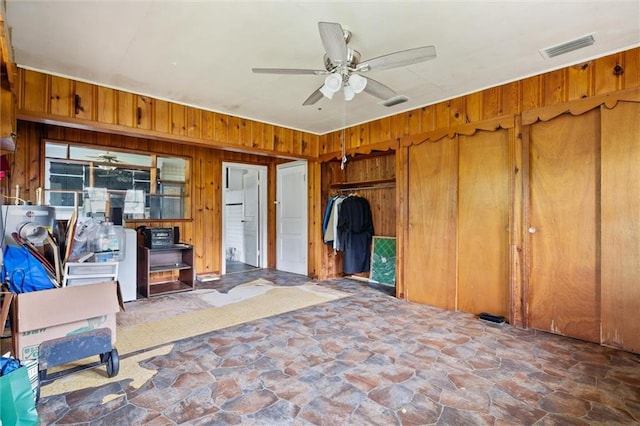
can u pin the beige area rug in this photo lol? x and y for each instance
(148, 326)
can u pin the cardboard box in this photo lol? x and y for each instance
(49, 314)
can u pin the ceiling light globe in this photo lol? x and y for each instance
(328, 93)
(331, 85)
(333, 82)
(357, 83)
(349, 93)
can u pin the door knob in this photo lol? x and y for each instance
(532, 229)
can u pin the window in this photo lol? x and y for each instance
(93, 180)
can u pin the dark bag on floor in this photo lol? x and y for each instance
(17, 402)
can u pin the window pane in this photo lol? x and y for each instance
(172, 169)
(165, 207)
(123, 178)
(56, 150)
(67, 169)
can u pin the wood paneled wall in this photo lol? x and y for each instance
(203, 230)
(620, 226)
(43, 97)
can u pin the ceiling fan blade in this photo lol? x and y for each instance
(378, 89)
(398, 59)
(314, 97)
(333, 40)
(287, 71)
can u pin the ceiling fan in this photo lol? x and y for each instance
(343, 66)
(106, 161)
(106, 157)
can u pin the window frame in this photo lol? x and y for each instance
(92, 167)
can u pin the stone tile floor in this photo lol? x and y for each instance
(367, 359)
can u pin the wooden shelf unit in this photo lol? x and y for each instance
(159, 268)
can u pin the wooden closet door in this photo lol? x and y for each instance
(430, 258)
(483, 223)
(621, 226)
(563, 295)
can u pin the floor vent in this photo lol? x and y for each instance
(569, 46)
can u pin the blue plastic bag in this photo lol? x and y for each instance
(24, 272)
(7, 365)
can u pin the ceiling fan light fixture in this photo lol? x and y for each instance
(349, 93)
(326, 92)
(331, 85)
(357, 83)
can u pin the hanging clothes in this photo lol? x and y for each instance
(330, 222)
(337, 240)
(355, 232)
(327, 215)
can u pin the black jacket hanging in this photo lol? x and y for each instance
(355, 228)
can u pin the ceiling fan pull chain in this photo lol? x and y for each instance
(343, 150)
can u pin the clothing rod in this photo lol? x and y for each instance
(358, 188)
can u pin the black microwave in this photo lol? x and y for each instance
(158, 237)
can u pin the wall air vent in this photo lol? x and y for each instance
(394, 101)
(569, 46)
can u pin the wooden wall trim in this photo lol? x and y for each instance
(315, 212)
(516, 220)
(526, 222)
(579, 107)
(364, 149)
(504, 122)
(82, 124)
(402, 217)
(574, 107)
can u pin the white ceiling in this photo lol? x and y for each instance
(201, 53)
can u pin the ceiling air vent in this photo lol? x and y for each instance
(394, 101)
(569, 46)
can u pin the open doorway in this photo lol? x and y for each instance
(244, 217)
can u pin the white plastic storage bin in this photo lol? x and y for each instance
(89, 273)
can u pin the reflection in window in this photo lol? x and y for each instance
(94, 180)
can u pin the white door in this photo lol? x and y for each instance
(291, 217)
(250, 218)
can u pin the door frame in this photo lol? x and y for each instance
(262, 212)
